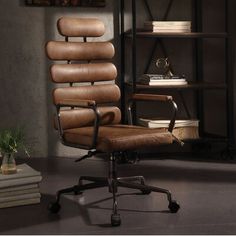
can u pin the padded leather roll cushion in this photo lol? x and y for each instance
(85, 117)
(79, 27)
(57, 50)
(119, 137)
(93, 72)
(100, 93)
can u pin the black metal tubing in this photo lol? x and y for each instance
(229, 81)
(96, 125)
(122, 60)
(134, 46)
(199, 62)
(172, 120)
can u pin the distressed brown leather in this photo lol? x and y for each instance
(99, 93)
(85, 117)
(80, 27)
(152, 97)
(77, 103)
(57, 50)
(92, 72)
(119, 137)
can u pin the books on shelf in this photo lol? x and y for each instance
(21, 188)
(161, 80)
(184, 129)
(168, 26)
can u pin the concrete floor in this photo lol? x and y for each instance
(205, 190)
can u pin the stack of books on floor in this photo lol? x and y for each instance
(21, 188)
(168, 26)
(161, 80)
(184, 129)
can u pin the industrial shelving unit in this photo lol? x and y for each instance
(197, 85)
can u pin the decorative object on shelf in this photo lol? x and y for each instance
(168, 26)
(163, 67)
(11, 141)
(184, 129)
(21, 188)
(67, 3)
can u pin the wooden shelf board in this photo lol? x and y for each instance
(187, 86)
(147, 34)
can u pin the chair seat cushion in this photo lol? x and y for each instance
(119, 137)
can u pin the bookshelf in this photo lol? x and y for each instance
(199, 83)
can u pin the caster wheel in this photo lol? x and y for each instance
(115, 220)
(174, 206)
(146, 192)
(54, 207)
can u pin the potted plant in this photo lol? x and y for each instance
(11, 141)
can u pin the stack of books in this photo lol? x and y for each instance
(184, 129)
(168, 26)
(21, 188)
(161, 80)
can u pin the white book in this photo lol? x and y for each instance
(23, 171)
(25, 175)
(151, 123)
(20, 181)
(168, 23)
(18, 188)
(151, 27)
(19, 197)
(20, 202)
(19, 192)
(171, 30)
(163, 82)
(154, 83)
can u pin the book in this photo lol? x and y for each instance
(163, 82)
(151, 123)
(25, 175)
(20, 197)
(184, 129)
(20, 202)
(18, 188)
(168, 23)
(150, 77)
(168, 26)
(154, 30)
(20, 181)
(18, 192)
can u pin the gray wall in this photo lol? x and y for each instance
(25, 89)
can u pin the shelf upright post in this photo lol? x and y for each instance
(199, 63)
(134, 55)
(229, 81)
(134, 45)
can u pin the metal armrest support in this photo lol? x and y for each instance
(88, 104)
(153, 98)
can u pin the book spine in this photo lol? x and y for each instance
(17, 193)
(20, 202)
(168, 23)
(20, 181)
(18, 188)
(20, 197)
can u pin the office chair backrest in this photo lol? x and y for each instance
(85, 64)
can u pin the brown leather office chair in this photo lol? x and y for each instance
(85, 117)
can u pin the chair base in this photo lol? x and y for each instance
(112, 182)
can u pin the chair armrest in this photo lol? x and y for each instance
(88, 104)
(153, 98)
(76, 103)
